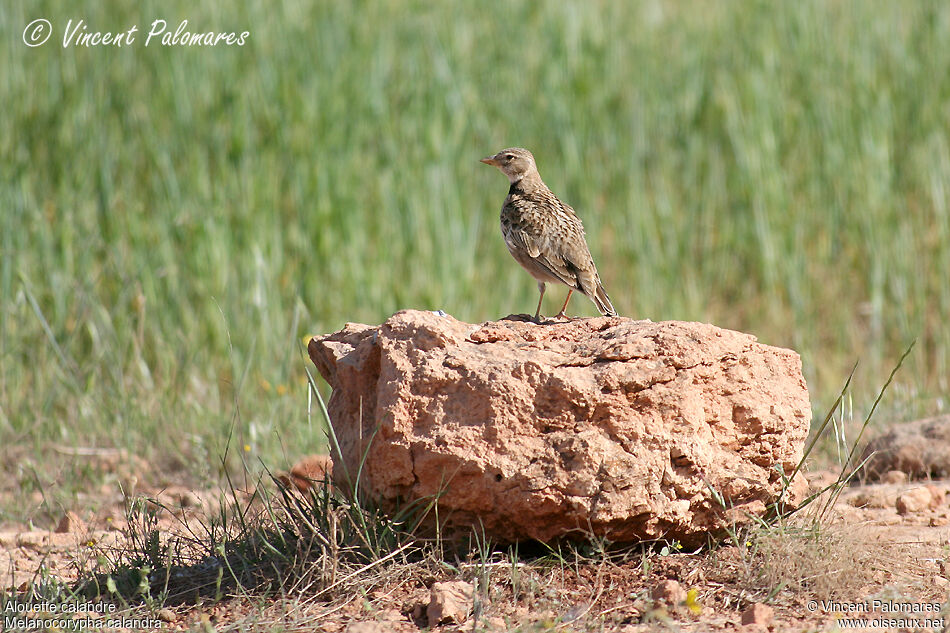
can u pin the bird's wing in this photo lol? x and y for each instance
(520, 241)
(561, 266)
(577, 256)
(564, 250)
(540, 225)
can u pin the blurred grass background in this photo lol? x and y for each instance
(174, 221)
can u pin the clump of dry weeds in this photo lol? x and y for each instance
(816, 560)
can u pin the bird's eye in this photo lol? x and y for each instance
(510, 157)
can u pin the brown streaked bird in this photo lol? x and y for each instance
(544, 235)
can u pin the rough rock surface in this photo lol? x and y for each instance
(920, 448)
(758, 615)
(632, 430)
(914, 500)
(450, 602)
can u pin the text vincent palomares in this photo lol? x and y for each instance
(79, 35)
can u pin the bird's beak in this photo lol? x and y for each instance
(489, 160)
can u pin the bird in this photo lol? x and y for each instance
(544, 235)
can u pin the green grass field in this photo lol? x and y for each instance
(174, 221)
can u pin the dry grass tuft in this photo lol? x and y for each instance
(815, 560)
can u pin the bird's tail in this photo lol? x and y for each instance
(602, 301)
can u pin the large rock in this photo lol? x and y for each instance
(628, 429)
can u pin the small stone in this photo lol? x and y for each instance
(450, 602)
(938, 521)
(914, 500)
(70, 523)
(389, 615)
(307, 472)
(874, 498)
(167, 615)
(669, 592)
(758, 614)
(938, 495)
(894, 477)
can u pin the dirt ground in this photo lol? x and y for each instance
(884, 549)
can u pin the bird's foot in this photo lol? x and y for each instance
(563, 315)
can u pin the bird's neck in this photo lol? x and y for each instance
(531, 181)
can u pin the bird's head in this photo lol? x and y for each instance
(514, 162)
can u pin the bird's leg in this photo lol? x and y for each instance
(537, 314)
(562, 314)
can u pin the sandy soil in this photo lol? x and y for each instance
(886, 542)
